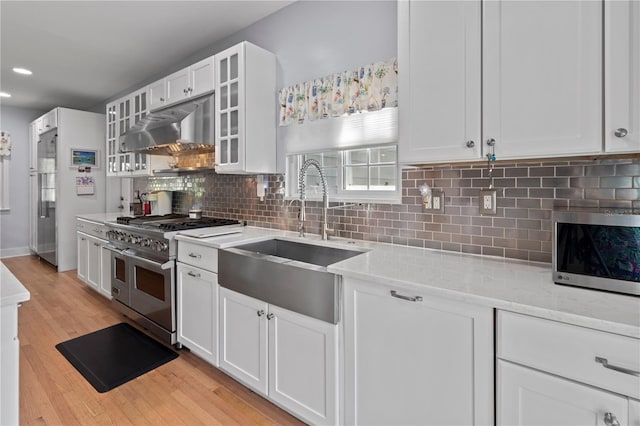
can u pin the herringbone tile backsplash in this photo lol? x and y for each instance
(527, 193)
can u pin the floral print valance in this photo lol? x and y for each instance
(369, 88)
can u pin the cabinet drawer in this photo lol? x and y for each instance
(198, 255)
(95, 229)
(571, 351)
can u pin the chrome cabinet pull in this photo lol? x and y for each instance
(191, 274)
(621, 132)
(409, 298)
(96, 244)
(605, 364)
(610, 420)
(161, 99)
(195, 255)
(491, 141)
(260, 312)
(270, 317)
(470, 144)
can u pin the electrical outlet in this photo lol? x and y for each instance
(436, 202)
(487, 201)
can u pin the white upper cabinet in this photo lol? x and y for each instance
(538, 92)
(50, 120)
(177, 85)
(245, 119)
(542, 77)
(112, 139)
(201, 77)
(439, 82)
(122, 115)
(156, 94)
(622, 76)
(191, 81)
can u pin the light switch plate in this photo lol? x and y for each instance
(487, 201)
(436, 204)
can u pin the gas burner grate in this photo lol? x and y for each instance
(136, 220)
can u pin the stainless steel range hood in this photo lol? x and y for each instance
(185, 127)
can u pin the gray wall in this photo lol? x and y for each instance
(14, 224)
(310, 39)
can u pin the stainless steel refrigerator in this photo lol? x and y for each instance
(46, 204)
(58, 182)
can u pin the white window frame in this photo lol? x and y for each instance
(294, 162)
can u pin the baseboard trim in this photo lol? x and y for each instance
(14, 252)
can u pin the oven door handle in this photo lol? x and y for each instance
(164, 266)
(113, 249)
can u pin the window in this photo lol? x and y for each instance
(363, 174)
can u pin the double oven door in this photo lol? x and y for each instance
(145, 286)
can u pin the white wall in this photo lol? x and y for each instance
(14, 224)
(311, 38)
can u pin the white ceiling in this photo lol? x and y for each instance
(84, 52)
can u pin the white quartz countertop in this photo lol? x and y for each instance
(248, 235)
(12, 291)
(100, 217)
(512, 285)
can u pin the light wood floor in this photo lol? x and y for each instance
(185, 391)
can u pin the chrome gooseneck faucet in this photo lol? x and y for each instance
(325, 197)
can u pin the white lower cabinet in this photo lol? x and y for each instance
(94, 260)
(83, 256)
(243, 339)
(197, 294)
(553, 373)
(303, 365)
(288, 357)
(415, 359)
(531, 397)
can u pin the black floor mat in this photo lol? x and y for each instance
(110, 357)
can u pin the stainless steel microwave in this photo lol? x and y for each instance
(597, 248)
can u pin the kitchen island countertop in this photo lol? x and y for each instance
(12, 291)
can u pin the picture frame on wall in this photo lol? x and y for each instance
(81, 157)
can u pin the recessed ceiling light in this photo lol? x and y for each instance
(22, 71)
(4, 95)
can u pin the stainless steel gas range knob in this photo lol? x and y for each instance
(163, 246)
(145, 242)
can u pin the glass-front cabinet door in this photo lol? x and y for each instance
(122, 115)
(112, 140)
(140, 109)
(229, 109)
(124, 123)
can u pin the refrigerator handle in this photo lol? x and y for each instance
(41, 205)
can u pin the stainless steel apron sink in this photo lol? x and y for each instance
(289, 274)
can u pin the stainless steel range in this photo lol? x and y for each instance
(143, 264)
